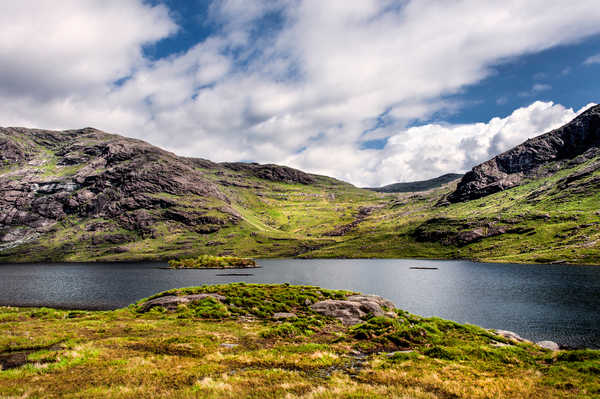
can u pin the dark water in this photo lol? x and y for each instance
(559, 303)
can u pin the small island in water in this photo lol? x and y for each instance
(212, 262)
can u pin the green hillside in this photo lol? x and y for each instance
(102, 197)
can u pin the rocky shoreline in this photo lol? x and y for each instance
(350, 311)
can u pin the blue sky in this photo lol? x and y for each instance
(561, 72)
(372, 92)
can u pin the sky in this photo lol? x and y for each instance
(372, 92)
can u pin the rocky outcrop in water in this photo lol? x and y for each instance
(579, 138)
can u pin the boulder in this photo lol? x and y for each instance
(511, 335)
(353, 309)
(284, 316)
(550, 345)
(372, 298)
(171, 302)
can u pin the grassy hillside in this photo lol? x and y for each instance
(236, 349)
(256, 211)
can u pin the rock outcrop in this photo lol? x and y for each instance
(577, 138)
(354, 308)
(171, 302)
(50, 176)
(511, 335)
(271, 172)
(550, 345)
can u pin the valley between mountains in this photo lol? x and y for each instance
(86, 195)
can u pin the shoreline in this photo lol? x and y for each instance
(160, 261)
(103, 310)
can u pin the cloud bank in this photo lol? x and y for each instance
(310, 90)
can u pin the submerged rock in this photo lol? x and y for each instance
(351, 310)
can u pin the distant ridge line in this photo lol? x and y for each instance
(417, 186)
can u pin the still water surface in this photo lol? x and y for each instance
(560, 303)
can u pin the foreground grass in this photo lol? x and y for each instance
(235, 350)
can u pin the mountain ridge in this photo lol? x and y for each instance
(87, 195)
(417, 186)
(578, 138)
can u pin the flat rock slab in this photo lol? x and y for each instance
(171, 302)
(550, 345)
(511, 335)
(284, 316)
(351, 310)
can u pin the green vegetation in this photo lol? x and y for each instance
(550, 219)
(234, 349)
(211, 262)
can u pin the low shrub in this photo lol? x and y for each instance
(210, 262)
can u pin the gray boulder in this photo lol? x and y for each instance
(284, 316)
(171, 302)
(550, 345)
(511, 335)
(351, 310)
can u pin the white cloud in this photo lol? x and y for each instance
(594, 59)
(51, 49)
(541, 87)
(434, 149)
(535, 89)
(302, 95)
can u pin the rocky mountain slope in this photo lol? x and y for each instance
(417, 186)
(125, 188)
(572, 144)
(86, 195)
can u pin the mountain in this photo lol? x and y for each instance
(574, 143)
(417, 186)
(81, 194)
(87, 195)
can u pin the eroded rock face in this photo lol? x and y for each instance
(171, 302)
(11, 151)
(271, 172)
(510, 168)
(351, 310)
(284, 316)
(86, 173)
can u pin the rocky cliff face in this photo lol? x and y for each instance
(271, 172)
(116, 189)
(50, 177)
(575, 142)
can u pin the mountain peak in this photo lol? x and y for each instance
(580, 137)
